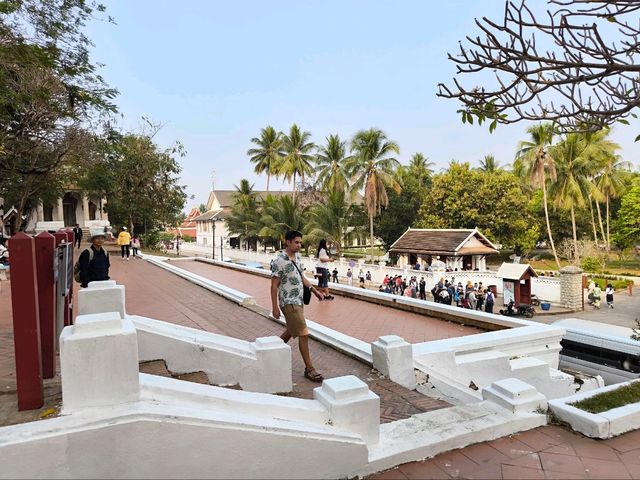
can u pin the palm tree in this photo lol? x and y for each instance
(331, 160)
(489, 164)
(575, 158)
(421, 163)
(279, 215)
(372, 168)
(267, 155)
(298, 159)
(534, 161)
(331, 220)
(244, 217)
(611, 184)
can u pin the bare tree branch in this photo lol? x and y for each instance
(579, 79)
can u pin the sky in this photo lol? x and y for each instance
(214, 73)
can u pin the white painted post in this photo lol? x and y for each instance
(99, 362)
(515, 395)
(102, 297)
(351, 405)
(273, 357)
(393, 357)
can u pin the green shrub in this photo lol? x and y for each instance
(617, 284)
(187, 238)
(590, 264)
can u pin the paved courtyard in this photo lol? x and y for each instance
(357, 318)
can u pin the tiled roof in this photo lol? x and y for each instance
(442, 242)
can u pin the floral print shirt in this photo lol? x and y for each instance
(290, 290)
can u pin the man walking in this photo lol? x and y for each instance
(287, 281)
(94, 261)
(77, 235)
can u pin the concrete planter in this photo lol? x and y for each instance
(598, 425)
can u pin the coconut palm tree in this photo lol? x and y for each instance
(372, 168)
(298, 157)
(489, 164)
(611, 183)
(244, 218)
(331, 220)
(421, 163)
(279, 215)
(330, 170)
(534, 161)
(576, 158)
(267, 155)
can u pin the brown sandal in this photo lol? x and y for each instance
(313, 375)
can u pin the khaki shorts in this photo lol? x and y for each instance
(296, 324)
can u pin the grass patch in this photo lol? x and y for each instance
(603, 402)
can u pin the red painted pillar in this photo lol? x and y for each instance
(26, 319)
(45, 244)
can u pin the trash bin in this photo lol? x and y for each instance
(545, 306)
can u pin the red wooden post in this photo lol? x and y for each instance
(26, 332)
(45, 250)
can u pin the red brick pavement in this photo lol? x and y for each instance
(547, 452)
(356, 318)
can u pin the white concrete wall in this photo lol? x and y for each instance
(260, 366)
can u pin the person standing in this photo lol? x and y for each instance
(135, 245)
(609, 295)
(322, 270)
(423, 288)
(349, 277)
(124, 240)
(94, 261)
(335, 275)
(77, 235)
(287, 282)
(489, 300)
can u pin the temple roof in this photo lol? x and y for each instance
(443, 241)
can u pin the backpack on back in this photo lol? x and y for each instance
(76, 266)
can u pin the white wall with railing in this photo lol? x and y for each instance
(546, 288)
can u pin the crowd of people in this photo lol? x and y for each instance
(473, 296)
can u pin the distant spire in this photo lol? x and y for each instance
(213, 179)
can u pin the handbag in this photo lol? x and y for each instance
(306, 291)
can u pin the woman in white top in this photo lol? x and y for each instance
(322, 272)
(609, 294)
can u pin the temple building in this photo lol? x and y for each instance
(461, 249)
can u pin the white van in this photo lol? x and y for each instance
(599, 349)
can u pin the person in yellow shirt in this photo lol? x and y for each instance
(124, 240)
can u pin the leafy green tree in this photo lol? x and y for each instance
(140, 181)
(403, 208)
(267, 154)
(462, 197)
(627, 232)
(331, 160)
(372, 168)
(298, 157)
(421, 165)
(533, 162)
(48, 90)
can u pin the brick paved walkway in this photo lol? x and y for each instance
(546, 452)
(356, 318)
(156, 293)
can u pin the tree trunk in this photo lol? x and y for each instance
(604, 239)
(268, 178)
(371, 234)
(294, 187)
(608, 235)
(575, 235)
(593, 223)
(546, 216)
